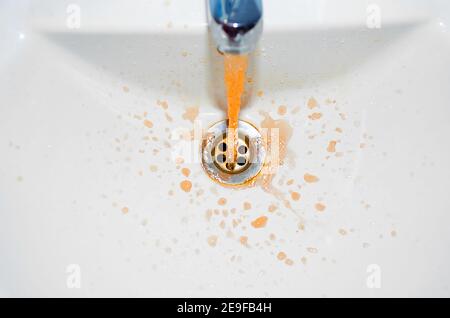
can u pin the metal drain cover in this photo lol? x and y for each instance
(250, 154)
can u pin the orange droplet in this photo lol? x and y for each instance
(282, 110)
(125, 210)
(320, 207)
(259, 222)
(222, 201)
(163, 104)
(312, 103)
(289, 262)
(272, 208)
(186, 185)
(191, 113)
(247, 205)
(295, 196)
(310, 178)
(148, 123)
(332, 146)
(315, 116)
(212, 240)
(243, 240)
(281, 256)
(186, 172)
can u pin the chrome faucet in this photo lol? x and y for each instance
(236, 25)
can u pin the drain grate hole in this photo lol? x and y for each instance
(242, 150)
(221, 158)
(241, 161)
(223, 146)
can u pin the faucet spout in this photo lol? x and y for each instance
(236, 25)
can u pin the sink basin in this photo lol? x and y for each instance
(101, 188)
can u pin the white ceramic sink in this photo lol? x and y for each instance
(78, 81)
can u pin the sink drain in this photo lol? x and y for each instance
(250, 154)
